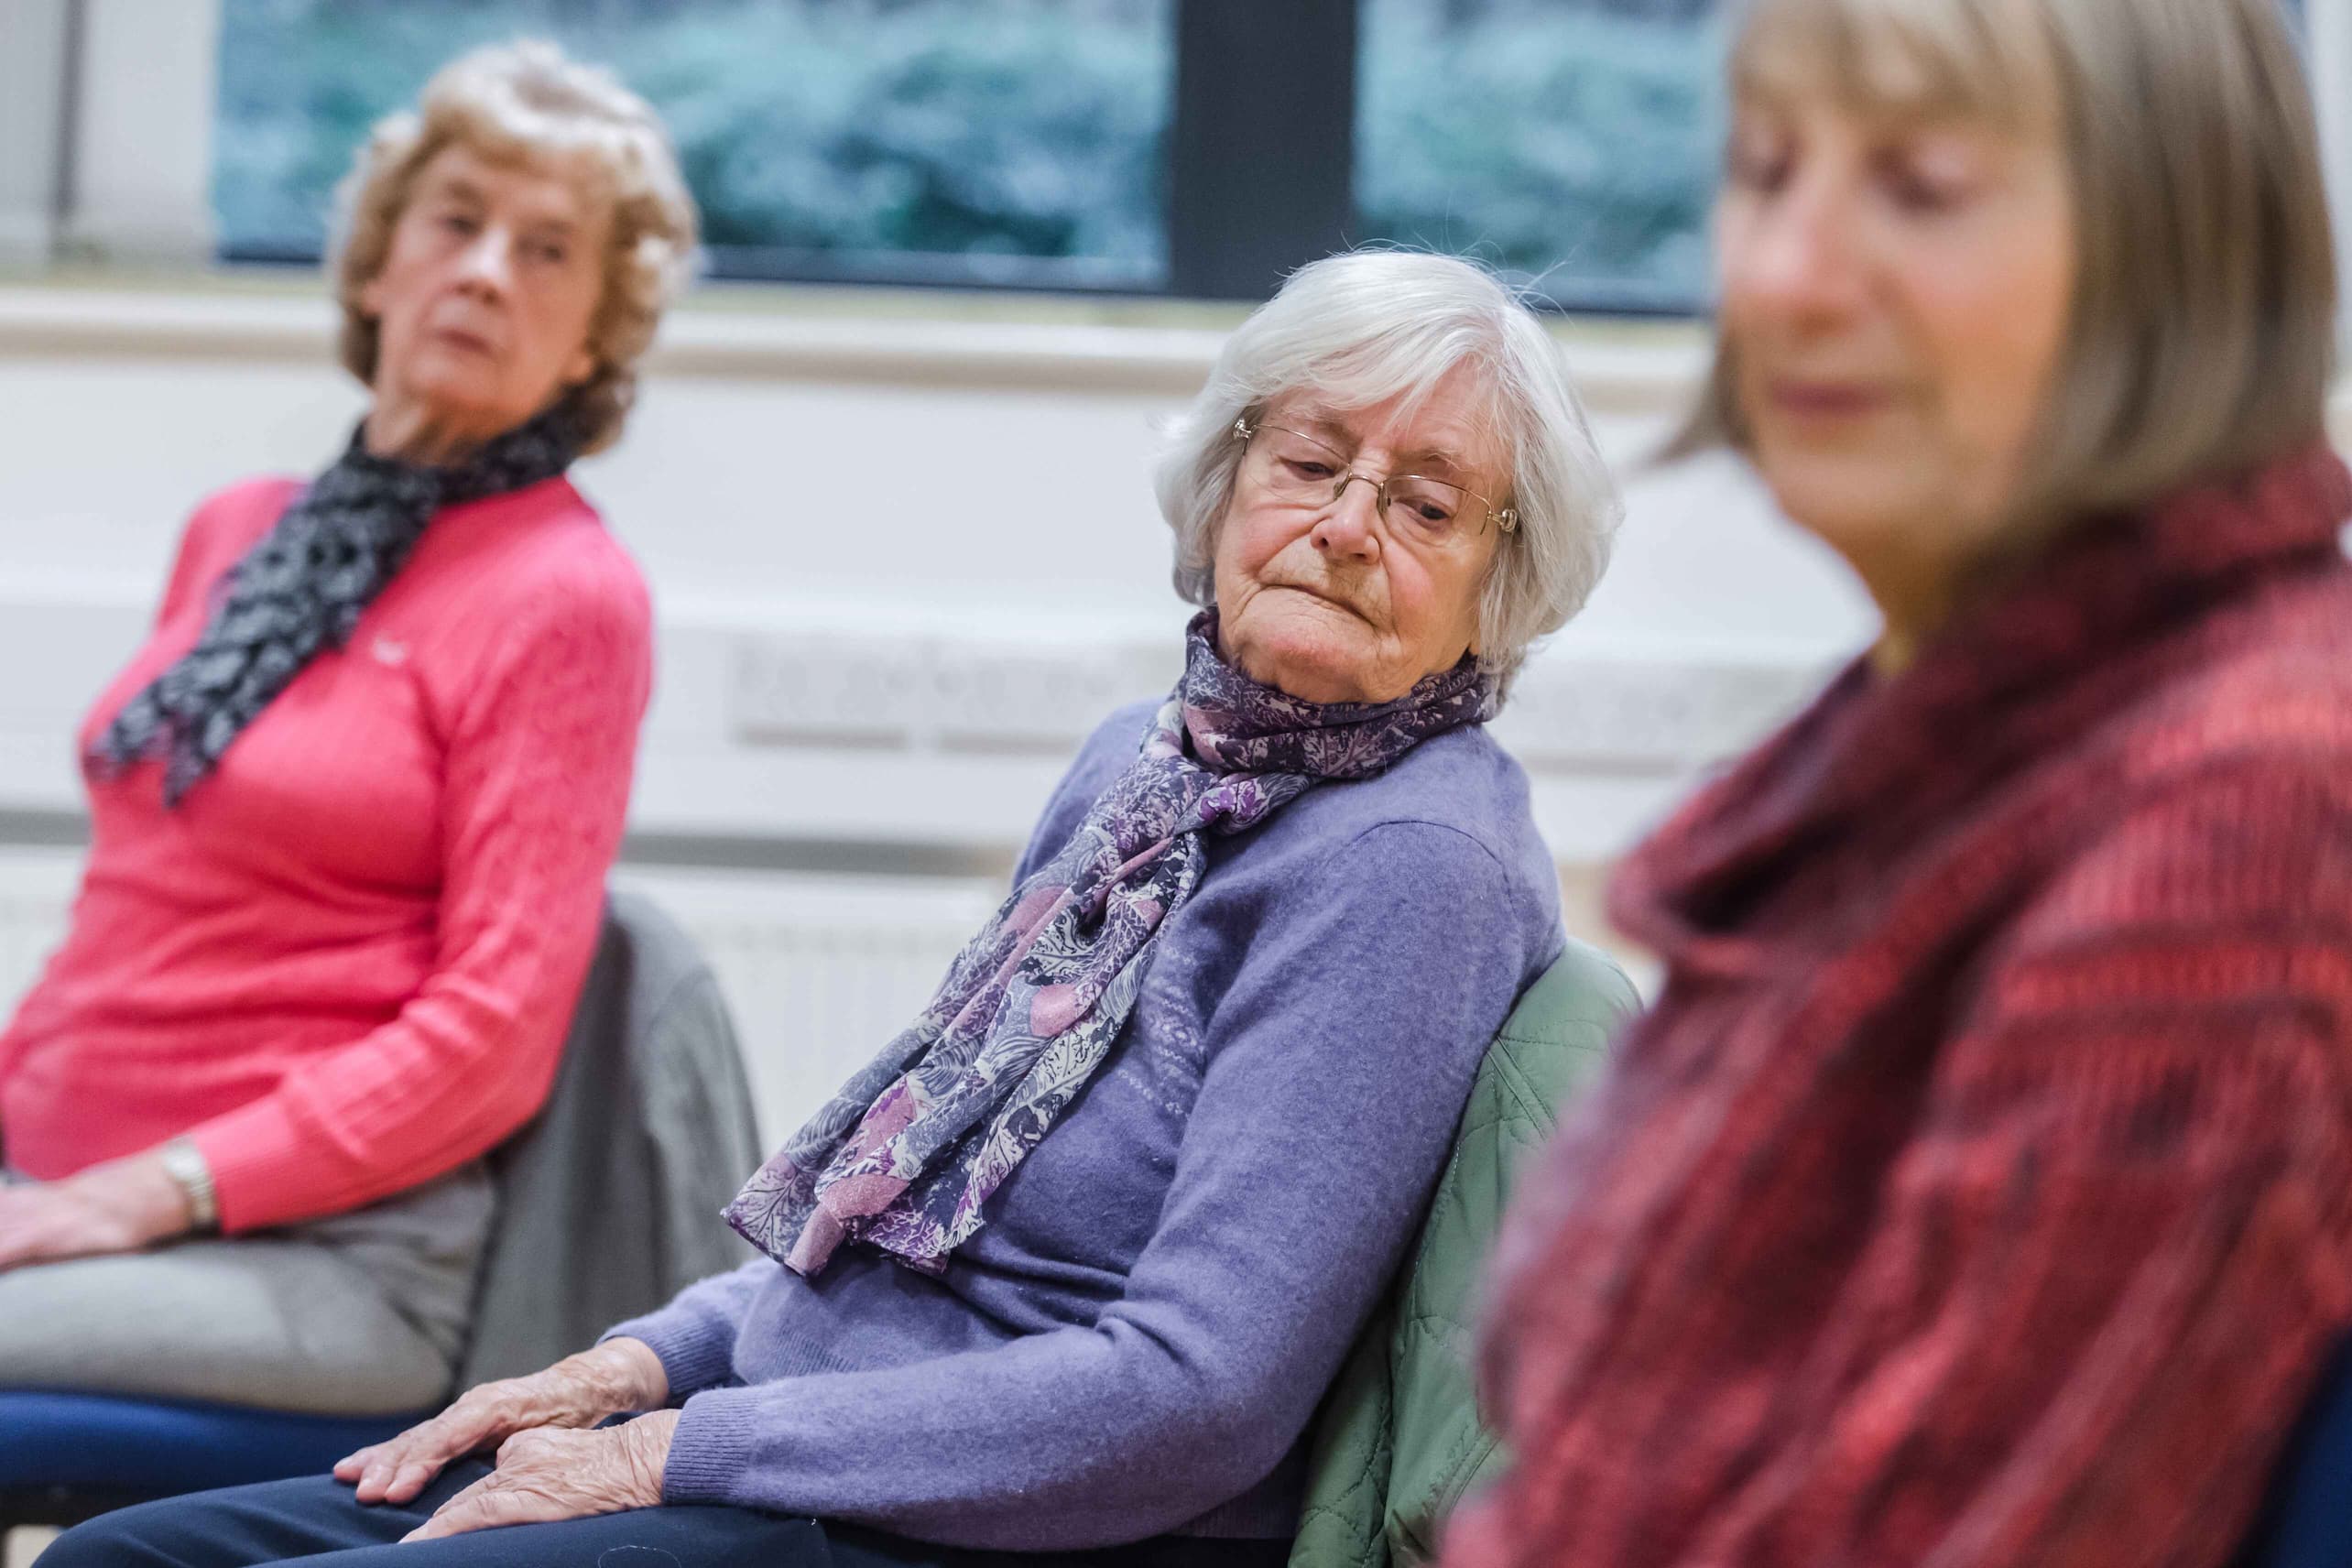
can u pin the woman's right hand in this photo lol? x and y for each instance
(617, 1376)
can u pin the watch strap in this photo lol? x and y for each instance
(186, 1164)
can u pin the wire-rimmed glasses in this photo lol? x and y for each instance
(1299, 469)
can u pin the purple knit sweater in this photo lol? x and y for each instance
(1137, 1340)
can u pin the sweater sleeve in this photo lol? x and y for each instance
(536, 784)
(2112, 1263)
(218, 531)
(1337, 1064)
(694, 1336)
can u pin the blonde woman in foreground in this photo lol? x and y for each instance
(1980, 1193)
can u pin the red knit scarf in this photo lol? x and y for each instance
(1981, 1191)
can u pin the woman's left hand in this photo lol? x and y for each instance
(120, 1207)
(550, 1473)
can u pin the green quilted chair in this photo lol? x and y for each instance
(1397, 1442)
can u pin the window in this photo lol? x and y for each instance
(1571, 143)
(982, 141)
(1191, 147)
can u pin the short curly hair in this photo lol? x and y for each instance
(1360, 328)
(527, 102)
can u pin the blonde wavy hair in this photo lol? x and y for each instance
(529, 103)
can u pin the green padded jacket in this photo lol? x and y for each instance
(1397, 1442)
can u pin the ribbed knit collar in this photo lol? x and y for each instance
(1993, 686)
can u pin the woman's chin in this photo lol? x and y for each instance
(1306, 648)
(459, 397)
(1311, 670)
(1846, 498)
(1312, 675)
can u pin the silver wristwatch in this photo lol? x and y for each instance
(185, 1164)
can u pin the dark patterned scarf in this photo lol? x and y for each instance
(906, 1155)
(302, 588)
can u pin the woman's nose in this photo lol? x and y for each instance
(489, 263)
(1345, 527)
(1794, 256)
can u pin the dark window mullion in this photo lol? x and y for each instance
(1262, 150)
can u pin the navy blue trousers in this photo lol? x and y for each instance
(315, 1520)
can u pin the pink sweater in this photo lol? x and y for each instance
(346, 964)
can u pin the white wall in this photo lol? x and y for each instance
(903, 555)
(900, 564)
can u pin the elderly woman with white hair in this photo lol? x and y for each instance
(354, 802)
(1065, 1271)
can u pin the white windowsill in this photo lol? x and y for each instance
(779, 331)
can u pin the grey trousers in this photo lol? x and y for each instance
(364, 1313)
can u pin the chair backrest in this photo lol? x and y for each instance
(609, 1198)
(1399, 1441)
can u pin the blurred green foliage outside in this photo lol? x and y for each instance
(1573, 145)
(961, 128)
(1570, 142)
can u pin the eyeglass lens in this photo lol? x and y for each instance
(1298, 468)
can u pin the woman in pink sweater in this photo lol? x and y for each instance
(353, 803)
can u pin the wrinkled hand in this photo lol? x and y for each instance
(120, 1207)
(579, 1390)
(549, 1473)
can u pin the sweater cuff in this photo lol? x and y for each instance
(711, 1447)
(256, 1157)
(696, 1349)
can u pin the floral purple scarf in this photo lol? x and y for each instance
(906, 1155)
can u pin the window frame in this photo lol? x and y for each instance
(127, 91)
(1260, 168)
